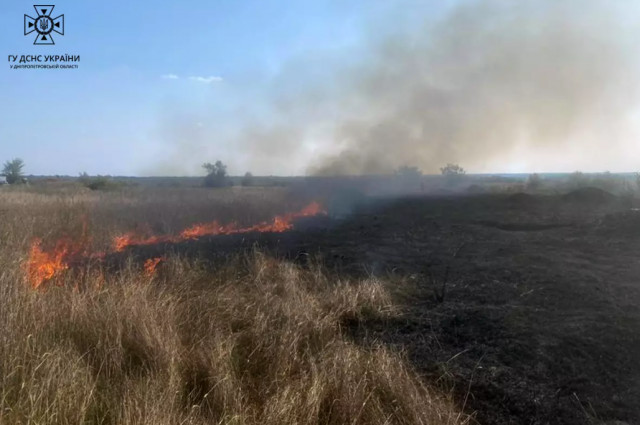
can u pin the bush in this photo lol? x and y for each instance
(97, 182)
(216, 174)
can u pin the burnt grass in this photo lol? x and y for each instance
(527, 306)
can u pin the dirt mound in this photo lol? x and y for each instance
(591, 195)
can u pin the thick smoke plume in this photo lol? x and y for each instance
(486, 82)
(491, 77)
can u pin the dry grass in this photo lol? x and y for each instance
(255, 342)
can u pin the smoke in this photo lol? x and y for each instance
(489, 82)
(491, 78)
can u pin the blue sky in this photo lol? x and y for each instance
(164, 86)
(107, 116)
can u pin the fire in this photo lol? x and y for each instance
(213, 228)
(151, 264)
(123, 241)
(43, 266)
(280, 223)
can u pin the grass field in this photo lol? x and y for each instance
(255, 340)
(490, 308)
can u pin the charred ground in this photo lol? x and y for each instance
(525, 304)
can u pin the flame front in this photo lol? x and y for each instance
(151, 264)
(280, 223)
(43, 266)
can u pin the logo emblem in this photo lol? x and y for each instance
(43, 24)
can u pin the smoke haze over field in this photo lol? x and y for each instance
(491, 78)
(331, 87)
(493, 85)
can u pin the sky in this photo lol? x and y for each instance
(164, 86)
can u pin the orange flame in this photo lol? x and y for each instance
(151, 264)
(43, 266)
(280, 223)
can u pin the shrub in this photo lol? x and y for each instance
(216, 174)
(97, 182)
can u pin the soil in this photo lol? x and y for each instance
(527, 306)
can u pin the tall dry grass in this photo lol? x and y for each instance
(257, 341)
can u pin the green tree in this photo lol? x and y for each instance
(216, 174)
(13, 170)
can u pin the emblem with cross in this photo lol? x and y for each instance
(44, 25)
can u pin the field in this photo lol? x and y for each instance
(487, 308)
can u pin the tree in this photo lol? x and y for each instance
(247, 180)
(216, 174)
(452, 170)
(13, 170)
(452, 173)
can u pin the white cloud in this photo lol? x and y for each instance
(207, 80)
(170, 77)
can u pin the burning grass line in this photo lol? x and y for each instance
(44, 266)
